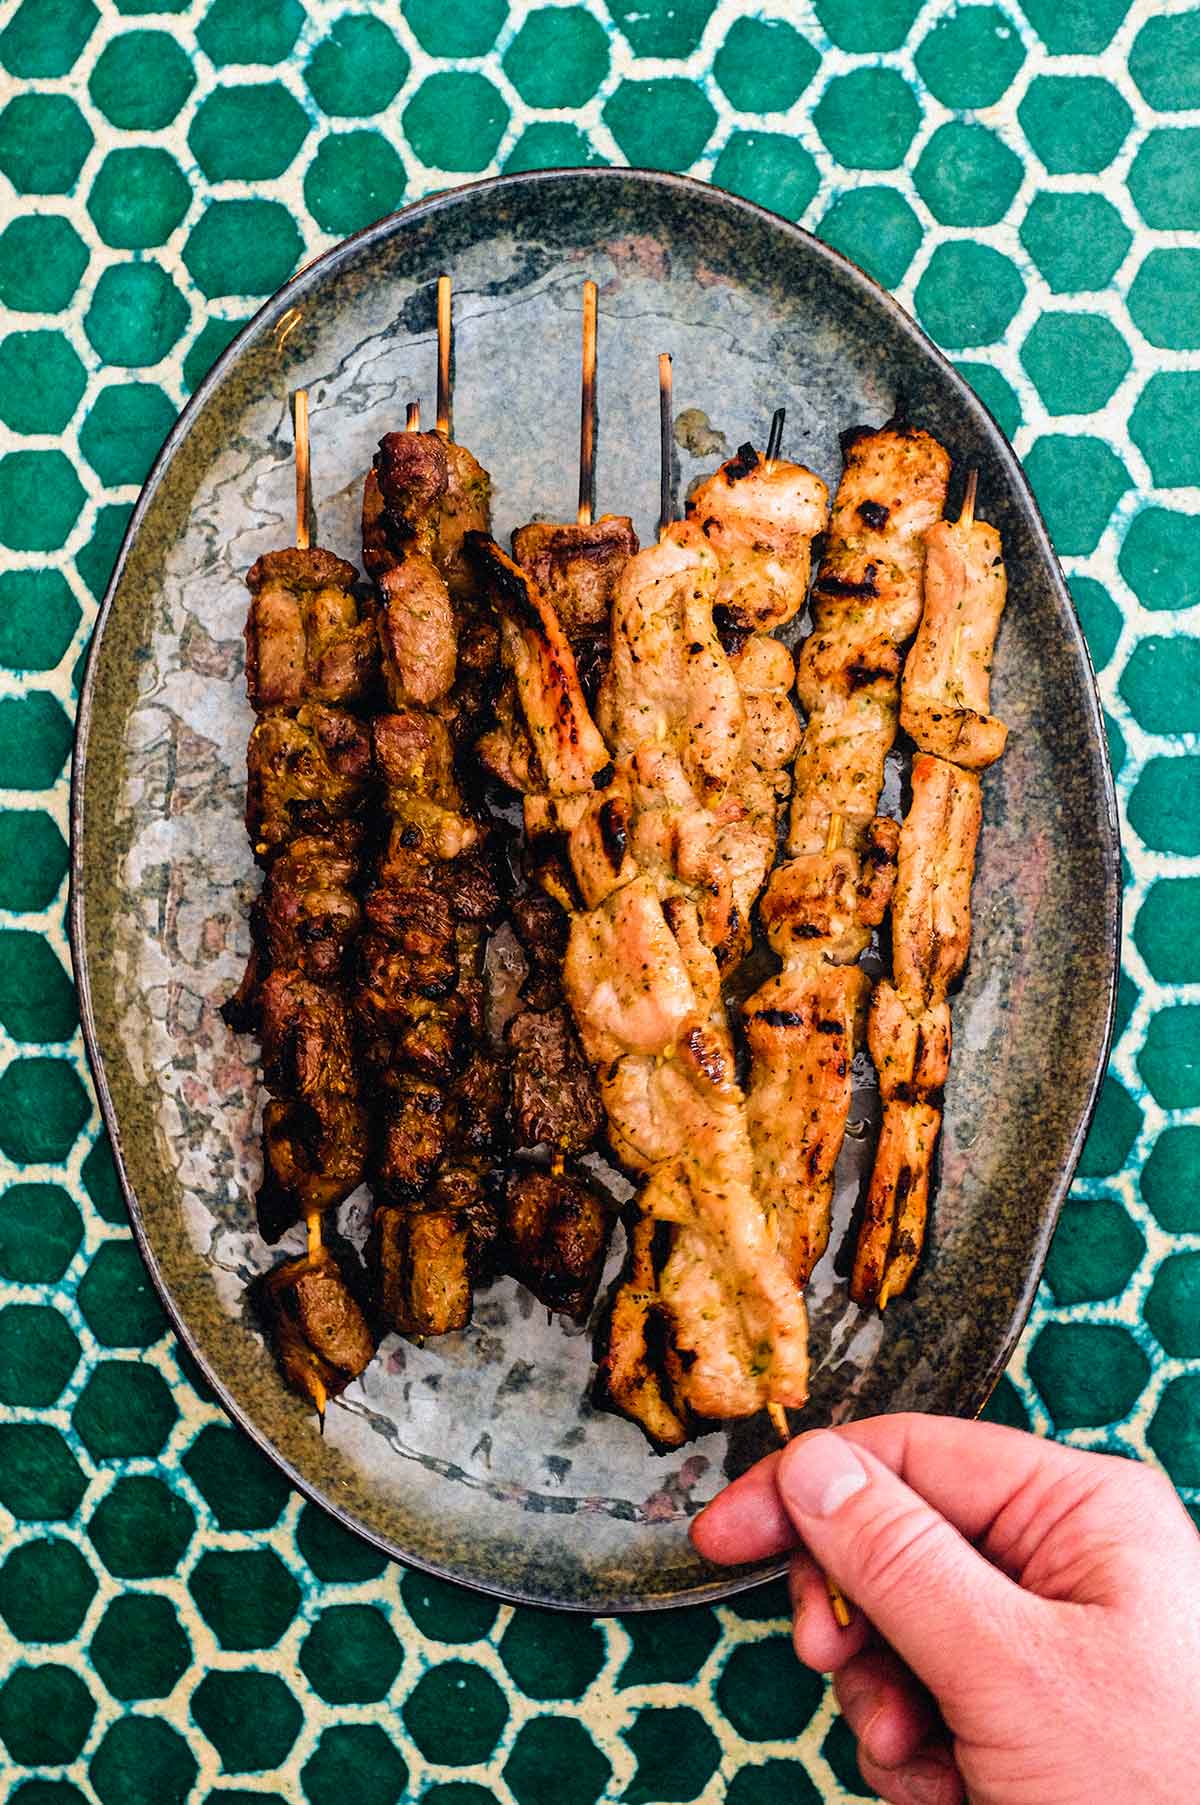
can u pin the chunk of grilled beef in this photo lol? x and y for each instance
(319, 1333)
(418, 634)
(471, 887)
(412, 1136)
(576, 567)
(465, 1184)
(314, 1155)
(307, 1037)
(305, 774)
(424, 494)
(423, 1261)
(416, 917)
(555, 1231)
(555, 1102)
(542, 926)
(477, 1099)
(307, 916)
(307, 639)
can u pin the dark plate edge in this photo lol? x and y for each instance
(1110, 835)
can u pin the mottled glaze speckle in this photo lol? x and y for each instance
(479, 1456)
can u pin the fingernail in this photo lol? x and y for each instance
(818, 1473)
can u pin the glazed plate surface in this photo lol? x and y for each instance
(479, 1455)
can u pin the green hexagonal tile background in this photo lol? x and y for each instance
(175, 1626)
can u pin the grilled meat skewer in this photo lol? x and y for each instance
(909, 1030)
(553, 598)
(308, 768)
(670, 1283)
(555, 1227)
(867, 603)
(804, 1025)
(436, 889)
(310, 659)
(944, 705)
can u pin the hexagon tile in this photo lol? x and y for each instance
(174, 1626)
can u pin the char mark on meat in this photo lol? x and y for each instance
(746, 460)
(837, 586)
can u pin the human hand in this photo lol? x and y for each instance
(1026, 1629)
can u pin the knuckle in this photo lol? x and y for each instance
(1121, 1491)
(892, 1554)
(1149, 1483)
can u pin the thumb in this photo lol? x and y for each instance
(941, 1605)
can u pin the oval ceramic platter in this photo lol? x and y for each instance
(479, 1455)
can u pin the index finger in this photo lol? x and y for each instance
(747, 1521)
(967, 1470)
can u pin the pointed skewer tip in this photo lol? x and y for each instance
(412, 419)
(779, 1422)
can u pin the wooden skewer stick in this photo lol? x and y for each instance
(967, 512)
(837, 1598)
(444, 335)
(587, 410)
(834, 836)
(966, 519)
(666, 423)
(775, 436)
(412, 419)
(300, 428)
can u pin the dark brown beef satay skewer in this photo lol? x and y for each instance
(554, 1227)
(420, 998)
(305, 641)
